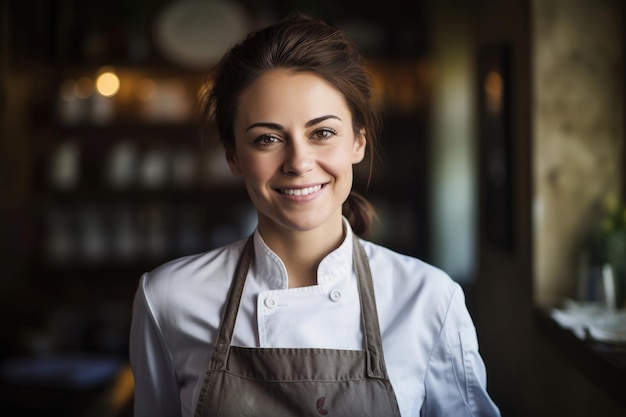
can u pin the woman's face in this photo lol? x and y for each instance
(294, 147)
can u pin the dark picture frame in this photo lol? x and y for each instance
(496, 145)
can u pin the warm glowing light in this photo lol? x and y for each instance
(108, 84)
(494, 89)
(67, 91)
(83, 88)
(123, 389)
(493, 83)
(146, 89)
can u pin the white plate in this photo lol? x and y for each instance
(610, 328)
(196, 33)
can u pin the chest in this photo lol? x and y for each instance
(321, 316)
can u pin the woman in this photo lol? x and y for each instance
(303, 318)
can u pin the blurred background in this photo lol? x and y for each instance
(503, 162)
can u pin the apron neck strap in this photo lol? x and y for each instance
(231, 307)
(369, 314)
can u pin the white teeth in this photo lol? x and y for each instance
(301, 191)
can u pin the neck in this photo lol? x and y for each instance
(302, 251)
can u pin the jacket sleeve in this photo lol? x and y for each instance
(156, 388)
(456, 380)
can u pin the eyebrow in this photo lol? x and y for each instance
(277, 126)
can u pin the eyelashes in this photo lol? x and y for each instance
(324, 133)
(321, 134)
(266, 139)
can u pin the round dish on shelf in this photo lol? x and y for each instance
(196, 33)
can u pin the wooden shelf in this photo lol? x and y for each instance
(169, 195)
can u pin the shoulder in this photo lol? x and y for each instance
(404, 269)
(188, 266)
(406, 282)
(177, 280)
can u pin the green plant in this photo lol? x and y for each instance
(612, 241)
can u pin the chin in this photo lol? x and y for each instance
(300, 222)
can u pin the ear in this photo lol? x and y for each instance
(233, 163)
(358, 148)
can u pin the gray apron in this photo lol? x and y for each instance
(286, 382)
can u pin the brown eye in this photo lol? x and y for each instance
(266, 140)
(324, 133)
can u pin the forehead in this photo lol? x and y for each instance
(286, 93)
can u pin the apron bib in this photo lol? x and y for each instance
(285, 382)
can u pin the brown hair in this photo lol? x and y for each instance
(299, 43)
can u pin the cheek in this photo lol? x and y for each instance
(340, 162)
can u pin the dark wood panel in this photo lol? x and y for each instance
(603, 363)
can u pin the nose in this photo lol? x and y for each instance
(298, 159)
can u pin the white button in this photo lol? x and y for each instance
(335, 295)
(270, 303)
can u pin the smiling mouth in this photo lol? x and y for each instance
(301, 191)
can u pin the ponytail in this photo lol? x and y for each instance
(359, 212)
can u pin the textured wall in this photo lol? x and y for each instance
(578, 77)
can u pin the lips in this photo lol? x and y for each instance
(301, 191)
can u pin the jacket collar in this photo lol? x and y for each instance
(336, 265)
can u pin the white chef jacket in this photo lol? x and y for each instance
(429, 340)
